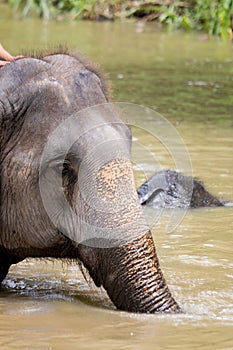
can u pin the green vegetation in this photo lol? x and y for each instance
(213, 16)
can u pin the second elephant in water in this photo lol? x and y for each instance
(170, 189)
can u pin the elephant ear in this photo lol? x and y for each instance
(5, 104)
(18, 87)
(9, 101)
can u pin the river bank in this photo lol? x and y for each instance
(215, 17)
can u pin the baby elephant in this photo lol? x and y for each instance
(66, 183)
(170, 189)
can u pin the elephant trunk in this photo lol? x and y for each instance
(131, 275)
(135, 282)
(124, 260)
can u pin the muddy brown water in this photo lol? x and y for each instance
(49, 305)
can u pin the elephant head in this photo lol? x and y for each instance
(171, 189)
(77, 200)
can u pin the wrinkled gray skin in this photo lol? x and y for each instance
(36, 95)
(170, 189)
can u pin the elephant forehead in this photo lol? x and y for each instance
(114, 178)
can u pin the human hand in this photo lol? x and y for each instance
(6, 57)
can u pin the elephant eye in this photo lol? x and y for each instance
(63, 168)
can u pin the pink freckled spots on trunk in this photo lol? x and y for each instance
(115, 179)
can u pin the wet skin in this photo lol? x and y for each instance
(36, 96)
(170, 189)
